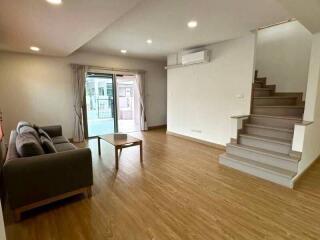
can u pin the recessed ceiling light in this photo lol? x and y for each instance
(124, 51)
(149, 41)
(192, 24)
(35, 49)
(55, 2)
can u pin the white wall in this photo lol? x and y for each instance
(283, 54)
(2, 231)
(201, 98)
(311, 145)
(39, 89)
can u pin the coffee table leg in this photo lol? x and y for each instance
(116, 157)
(141, 152)
(99, 147)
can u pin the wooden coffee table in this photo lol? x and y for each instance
(119, 144)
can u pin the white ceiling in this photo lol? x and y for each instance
(165, 21)
(106, 26)
(57, 30)
(307, 12)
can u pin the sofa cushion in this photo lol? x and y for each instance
(62, 147)
(43, 133)
(28, 145)
(47, 145)
(60, 139)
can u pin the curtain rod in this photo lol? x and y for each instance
(111, 69)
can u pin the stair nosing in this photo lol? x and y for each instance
(261, 166)
(270, 127)
(262, 151)
(267, 139)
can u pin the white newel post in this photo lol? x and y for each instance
(236, 125)
(298, 136)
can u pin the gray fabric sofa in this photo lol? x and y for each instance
(33, 181)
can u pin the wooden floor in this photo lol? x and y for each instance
(180, 192)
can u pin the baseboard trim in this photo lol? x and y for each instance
(157, 127)
(210, 144)
(295, 180)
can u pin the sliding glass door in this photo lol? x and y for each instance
(112, 104)
(100, 107)
(128, 107)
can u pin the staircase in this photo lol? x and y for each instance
(263, 146)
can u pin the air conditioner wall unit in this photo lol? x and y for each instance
(196, 57)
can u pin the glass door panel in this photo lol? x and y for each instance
(128, 103)
(100, 107)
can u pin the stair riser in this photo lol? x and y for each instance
(256, 172)
(278, 111)
(276, 147)
(288, 94)
(263, 158)
(285, 123)
(274, 101)
(262, 93)
(262, 80)
(258, 84)
(268, 132)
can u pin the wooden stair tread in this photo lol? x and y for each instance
(279, 106)
(275, 97)
(261, 166)
(267, 139)
(264, 89)
(269, 127)
(265, 152)
(278, 117)
(286, 93)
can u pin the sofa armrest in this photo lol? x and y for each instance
(32, 179)
(53, 131)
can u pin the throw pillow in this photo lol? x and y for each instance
(44, 134)
(27, 145)
(47, 145)
(29, 129)
(22, 124)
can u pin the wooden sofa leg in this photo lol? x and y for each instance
(17, 215)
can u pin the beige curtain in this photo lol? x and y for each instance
(79, 81)
(141, 86)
